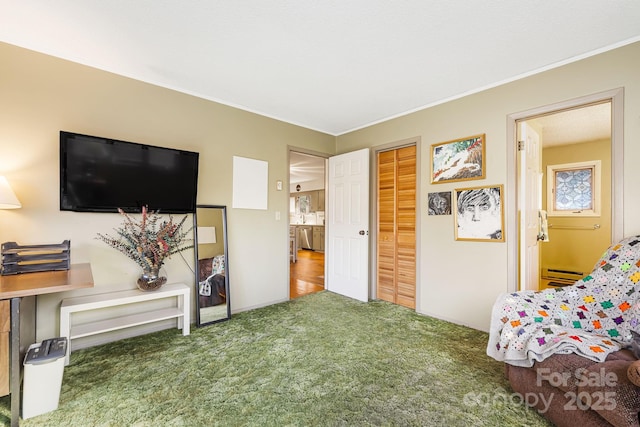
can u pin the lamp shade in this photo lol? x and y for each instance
(8, 199)
(206, 235)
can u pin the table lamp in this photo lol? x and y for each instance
(8, 199)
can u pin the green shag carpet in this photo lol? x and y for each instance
(319, 360)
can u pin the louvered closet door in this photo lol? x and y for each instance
(386, 226)
(396, 254)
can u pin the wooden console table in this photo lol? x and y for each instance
(14, 288)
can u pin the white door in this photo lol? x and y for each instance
(348, 225)
(529, 204)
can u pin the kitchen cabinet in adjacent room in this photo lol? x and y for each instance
(320, 204)
(318, 238)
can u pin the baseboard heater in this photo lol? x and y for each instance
(559, 277)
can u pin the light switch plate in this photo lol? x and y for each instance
(279, 185)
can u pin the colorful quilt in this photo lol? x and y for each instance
(591, 318)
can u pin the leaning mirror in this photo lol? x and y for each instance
(212, 303)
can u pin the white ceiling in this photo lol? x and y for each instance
(305, 168)
(590, 123)
(331, 65)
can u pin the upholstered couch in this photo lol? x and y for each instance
(567, 350)
(571, 390)
(211, 281)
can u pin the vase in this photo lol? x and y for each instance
(151, 280)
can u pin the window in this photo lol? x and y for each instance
(304, 204)
(573, 189)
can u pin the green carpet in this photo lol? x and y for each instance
(319, 360)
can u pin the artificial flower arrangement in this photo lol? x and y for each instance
(149, 241)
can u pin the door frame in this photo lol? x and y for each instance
(325, 156)
(616, 97)
(373, 218)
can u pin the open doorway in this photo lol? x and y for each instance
(567, 169)
(307, 195)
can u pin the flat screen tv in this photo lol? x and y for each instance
(102, 175)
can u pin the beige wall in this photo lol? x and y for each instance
(42, 95)
(459, 281)
(578, 250)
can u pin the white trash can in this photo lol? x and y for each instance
(43, 370)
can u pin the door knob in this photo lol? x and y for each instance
(362, 232)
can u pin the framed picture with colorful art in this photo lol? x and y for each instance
(479, 213)
(458, 160)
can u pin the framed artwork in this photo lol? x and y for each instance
(458, 160)
(479, 214)
(440, 203)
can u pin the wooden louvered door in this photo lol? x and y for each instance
(396, 233)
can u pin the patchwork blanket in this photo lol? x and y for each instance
(592, 318)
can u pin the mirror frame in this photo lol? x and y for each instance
(199, 321)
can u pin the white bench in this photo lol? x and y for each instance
(181, 311)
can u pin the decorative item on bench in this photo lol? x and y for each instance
(149, 242)
(32, 258)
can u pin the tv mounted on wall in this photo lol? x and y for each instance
(102, 175)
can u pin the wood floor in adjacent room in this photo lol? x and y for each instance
(306, 274)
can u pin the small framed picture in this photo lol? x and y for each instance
(458, 160)
(479, 214)
(440, 203)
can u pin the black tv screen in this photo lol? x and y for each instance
(102, 175)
